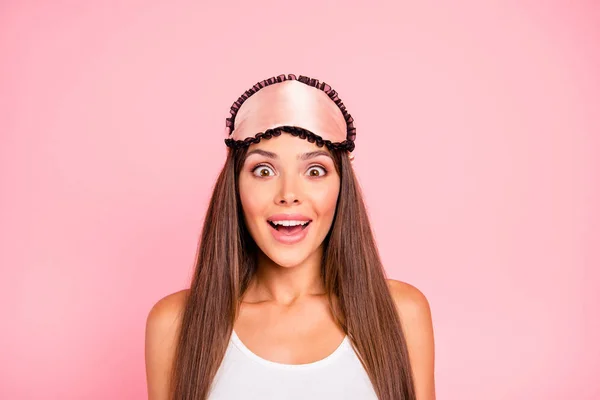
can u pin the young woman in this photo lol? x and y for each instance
(289, 299)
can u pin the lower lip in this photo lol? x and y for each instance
(289, 239)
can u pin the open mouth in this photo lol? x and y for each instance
(289, 227)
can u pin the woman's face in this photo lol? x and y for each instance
(289, 189)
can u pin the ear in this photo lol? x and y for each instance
(351, 157)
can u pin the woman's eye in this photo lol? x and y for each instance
(316, 171)
(262, 171)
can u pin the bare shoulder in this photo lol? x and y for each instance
(167, 307)
(415, 315)
(162, 328)
(410, 301)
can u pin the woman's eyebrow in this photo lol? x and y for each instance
(302, 157)
(265, 153)
(313, 154)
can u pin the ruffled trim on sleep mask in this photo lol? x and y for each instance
(302, 133)
(347, 144)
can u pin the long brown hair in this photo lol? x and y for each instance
(353, 276)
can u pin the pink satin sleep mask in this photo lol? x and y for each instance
(303, 107)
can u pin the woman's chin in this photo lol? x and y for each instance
(289, 261)
(287, 258)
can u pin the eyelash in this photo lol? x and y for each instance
(309, 168)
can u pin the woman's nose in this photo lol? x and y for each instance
(289, 190)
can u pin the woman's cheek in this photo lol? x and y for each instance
(327, 200)
(253, 201)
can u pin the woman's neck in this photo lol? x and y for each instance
(286, 285)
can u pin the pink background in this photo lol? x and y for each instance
(478, 149)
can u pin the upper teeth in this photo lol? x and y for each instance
(289, 223)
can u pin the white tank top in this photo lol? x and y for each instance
(245, 375)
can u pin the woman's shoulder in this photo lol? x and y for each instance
(168, 306)
(408, 298)
(415, 316)
(166, 311)
(162, 328)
